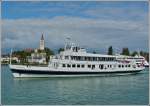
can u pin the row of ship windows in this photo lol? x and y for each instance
(83, 58)
(101, 66)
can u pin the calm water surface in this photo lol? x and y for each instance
(112, 90)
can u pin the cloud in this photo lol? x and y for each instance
(130, 12)
(96, 34)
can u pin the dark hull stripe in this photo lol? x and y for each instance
(66, 73)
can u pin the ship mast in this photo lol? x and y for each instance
(67, 42)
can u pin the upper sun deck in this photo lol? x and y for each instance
(71, 53)
(129, 57)
(71, 49)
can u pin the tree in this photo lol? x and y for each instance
(110, 50)
(134, 53)
(21, 55)
(60, 49)
(125, 51)
(48, 53)
(145, 55)
(141, 53)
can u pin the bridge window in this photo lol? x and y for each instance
(66, 57)
(86, 58)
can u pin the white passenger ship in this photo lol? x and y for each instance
(75, 61)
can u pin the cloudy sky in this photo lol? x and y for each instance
(93, 25)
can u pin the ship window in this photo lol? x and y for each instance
(72, 58)
(78, 65)
(86, 58)
(101, 66)
(106, 59)
(103, 58)
(66, 57)
(79, 57)
(82, 58)
(113, 59)
(73, 65)
(119, 65)
(126, 66)
(63, 65)
(110, 66)
(89, 66)
(122, 65)
(129, 65)
(82, 65)
(94, 58)
(68, 65)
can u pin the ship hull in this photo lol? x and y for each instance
(37, 73)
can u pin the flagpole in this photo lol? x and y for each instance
(10, 57)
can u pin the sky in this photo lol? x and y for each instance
(94, 25)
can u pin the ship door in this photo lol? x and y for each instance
(93, 67)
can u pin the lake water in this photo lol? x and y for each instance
(110, 90)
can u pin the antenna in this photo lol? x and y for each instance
(67, 42)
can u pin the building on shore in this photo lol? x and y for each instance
(39, 55)
(42, 43)
(6, 59)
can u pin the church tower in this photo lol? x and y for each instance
(42, 43)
